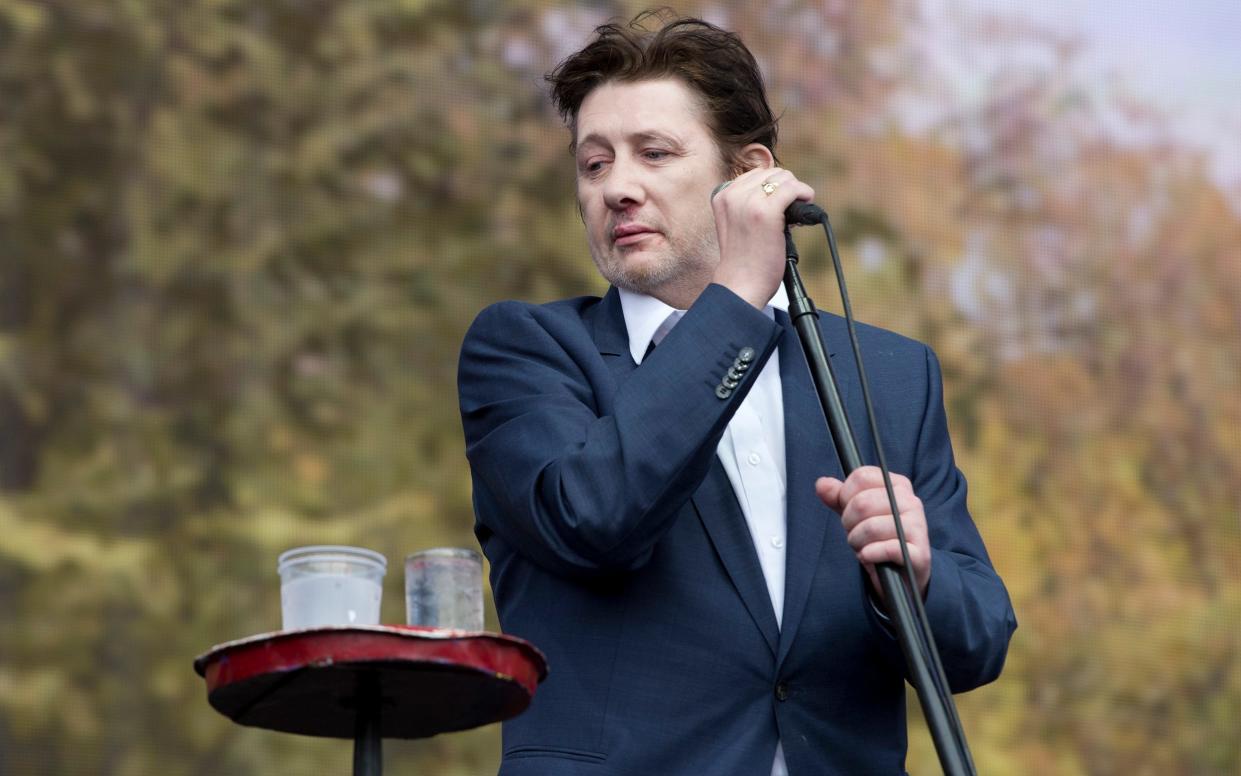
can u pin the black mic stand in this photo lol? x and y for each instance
(904, 603)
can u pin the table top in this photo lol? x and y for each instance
(423, 681)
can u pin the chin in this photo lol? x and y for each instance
(641, 272)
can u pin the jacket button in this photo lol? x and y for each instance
(746, 355)
(782, 691)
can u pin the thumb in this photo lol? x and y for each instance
(828, 489)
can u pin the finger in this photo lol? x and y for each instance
(875, 503)
(870, 531)
(752, 179)
(828, 491)
(890, 552)
(883, 527)
(786, 187)
(865, 505)
(748, 193)
(753, 182)
(744, 195)
(868, 477)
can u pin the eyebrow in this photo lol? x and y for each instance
(634, 137)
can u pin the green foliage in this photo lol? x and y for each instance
(240, 243)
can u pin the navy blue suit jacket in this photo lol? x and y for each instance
(618, 547)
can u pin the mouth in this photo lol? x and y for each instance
(631, 234)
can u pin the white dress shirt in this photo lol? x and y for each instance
(751, 450)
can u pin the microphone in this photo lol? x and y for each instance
(797, 214)
(804, 214)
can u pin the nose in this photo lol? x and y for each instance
(623, 188)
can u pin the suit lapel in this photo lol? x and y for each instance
(607, 321)
(725, 523)
(809, 454)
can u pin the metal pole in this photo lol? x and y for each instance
(367, 737)
(918, 648)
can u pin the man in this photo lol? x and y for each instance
(655, 518)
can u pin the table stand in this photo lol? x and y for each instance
(367, 737)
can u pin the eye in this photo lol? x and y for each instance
(656, 154)
(592, 167)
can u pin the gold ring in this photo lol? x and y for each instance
(769, 187)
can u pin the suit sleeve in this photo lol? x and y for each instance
(966, 602)
(580, 473)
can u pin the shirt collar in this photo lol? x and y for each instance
(645, 314)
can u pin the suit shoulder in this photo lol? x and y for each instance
(882, 343)
(512, 318)
(513, 309)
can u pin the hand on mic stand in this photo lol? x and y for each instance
(867, 519)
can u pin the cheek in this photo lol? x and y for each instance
(693, 193)
(590, 213)
(693, 206)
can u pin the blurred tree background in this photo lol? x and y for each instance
(240, 243)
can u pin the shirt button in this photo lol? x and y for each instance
(777, 542)
(782, 691)
(754, 459)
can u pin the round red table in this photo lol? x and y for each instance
(371, 682)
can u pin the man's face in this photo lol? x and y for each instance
(646, 166)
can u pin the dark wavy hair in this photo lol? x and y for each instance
(712, 62)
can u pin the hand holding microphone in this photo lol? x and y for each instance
(750, 215)
(797, 214)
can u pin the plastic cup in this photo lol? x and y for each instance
(444, 589)
(330, 585)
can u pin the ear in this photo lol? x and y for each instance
(755, 156)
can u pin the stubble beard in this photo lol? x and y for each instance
(676, 264)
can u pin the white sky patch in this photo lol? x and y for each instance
(1183, 59)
